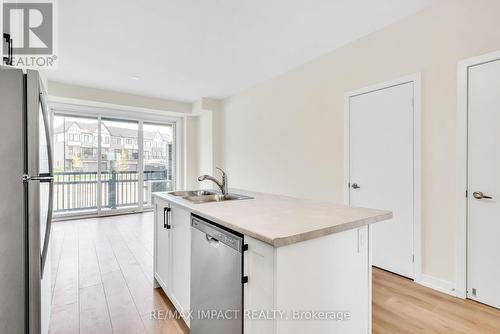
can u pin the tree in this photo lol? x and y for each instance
(76, 161)
(122, 163)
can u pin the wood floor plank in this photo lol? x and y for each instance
(140, 288)
(89, 273)
(120, 248)
(105, 254)
(64, 319)
(166, 325)
(94, 316)
(57, 240)
(138, 249)
(66, 285)
(123, 313)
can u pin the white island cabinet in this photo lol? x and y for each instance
(326, 277)
(308, 263)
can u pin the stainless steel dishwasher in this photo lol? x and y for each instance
(216, 279)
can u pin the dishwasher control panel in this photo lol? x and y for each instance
(215, 232)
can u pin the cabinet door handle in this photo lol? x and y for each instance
(166, 220)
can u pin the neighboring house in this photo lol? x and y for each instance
(75, 148)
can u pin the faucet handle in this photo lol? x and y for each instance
(223, 173)
(224, 181)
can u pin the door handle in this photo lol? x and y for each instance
(480, 195)
(166, 220)
(8, 60)
(355, 186)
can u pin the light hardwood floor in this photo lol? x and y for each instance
(102, 273)
(402, 306)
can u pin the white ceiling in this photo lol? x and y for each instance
(188, 49)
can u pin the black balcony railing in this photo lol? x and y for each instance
(77, 191)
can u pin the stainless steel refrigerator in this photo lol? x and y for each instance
(25, 203)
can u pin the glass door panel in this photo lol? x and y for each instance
(158, 159)
(119, 164)
(75, 164)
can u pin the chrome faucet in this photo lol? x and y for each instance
(221, 184)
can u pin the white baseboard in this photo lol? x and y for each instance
(437, 284)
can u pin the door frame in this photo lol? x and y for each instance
(417, 154)
(462, 167)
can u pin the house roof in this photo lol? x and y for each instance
(113, 131)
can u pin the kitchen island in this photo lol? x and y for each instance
(306, 263)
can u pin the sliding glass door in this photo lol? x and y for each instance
(158, 159)
(119, 164)
(75, 164)
(106, 164)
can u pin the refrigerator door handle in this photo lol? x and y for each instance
(48, 134)
(48, 227)
(49, 177)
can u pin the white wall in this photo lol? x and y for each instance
(201, 135)
(285, 135)
(191, 152)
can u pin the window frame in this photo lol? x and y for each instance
(83, 109)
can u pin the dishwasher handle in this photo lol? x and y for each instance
(212, 241)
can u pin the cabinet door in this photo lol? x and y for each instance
(162, 250)
(258, 262)
(181, 257)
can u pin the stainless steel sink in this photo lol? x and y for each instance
(192, 193)
(215, 198)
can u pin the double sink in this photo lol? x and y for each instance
(207, 196)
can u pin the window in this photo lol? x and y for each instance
(116, 141)
(87, 139)
(74, 137)
(89, 153)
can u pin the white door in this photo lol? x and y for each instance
(381, 170)
(484, 177)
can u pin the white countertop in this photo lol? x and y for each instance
(281, 220)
